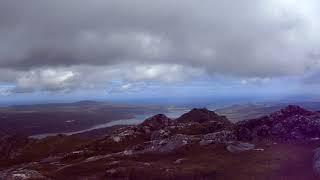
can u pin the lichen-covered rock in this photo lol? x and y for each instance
(22, 174)
(125, 134)
(170, 144)
(160, 134)
(218, 137)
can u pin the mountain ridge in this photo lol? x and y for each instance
(162, 147)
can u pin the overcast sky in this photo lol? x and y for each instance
(158, 48)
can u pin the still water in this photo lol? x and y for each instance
(172, 113)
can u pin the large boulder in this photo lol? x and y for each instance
(237, 147)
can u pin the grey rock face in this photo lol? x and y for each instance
(218, 137)
(237, 147)
(169, 145)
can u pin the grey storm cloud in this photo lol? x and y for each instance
(52, 44)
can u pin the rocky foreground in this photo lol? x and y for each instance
(198, 145)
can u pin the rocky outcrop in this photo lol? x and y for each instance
(289, 111)
(290, 123)
(157, 122)
(118, 140)
(220, 137)
(152, 127)
(160, 129)
(126, 134)
(169, 145)
(194, 128)
(161, 134)
(202, 116)
(166, 135)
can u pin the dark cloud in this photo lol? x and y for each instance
(237, 38)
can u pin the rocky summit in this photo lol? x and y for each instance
(198, 145)
(290, 123)
(201, 116)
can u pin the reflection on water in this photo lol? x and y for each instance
(172, 113)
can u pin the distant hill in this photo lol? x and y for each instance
(66, 117)
(254, 110)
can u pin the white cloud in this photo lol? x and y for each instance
(45, 79)
(102, 77)
(162, 72)
(256, 81)
(5, 90)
